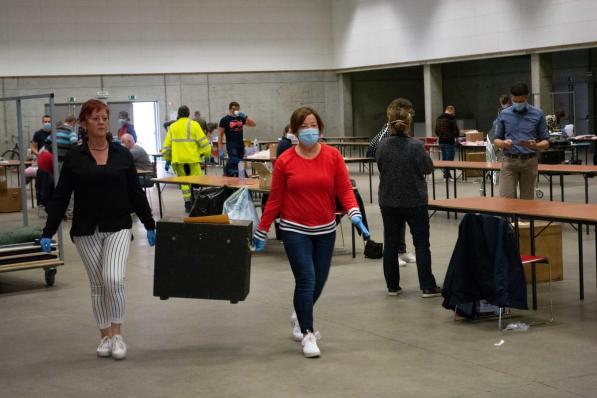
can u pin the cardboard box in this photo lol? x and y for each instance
(10, 200)
(474, 136)
(548, 243)
(265, 176)
(272, 150)
(474, 157)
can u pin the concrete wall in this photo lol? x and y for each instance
(73, 37)
(372, 91)
(269, 98)
(389, 32)
(474, 87)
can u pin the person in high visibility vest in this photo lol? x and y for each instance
(184, 146)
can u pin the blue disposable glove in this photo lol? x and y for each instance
(259, 244)
(151, 237)
(167, 165)
(357, 220)
(222, 153)
(242, 115)
(46, 245)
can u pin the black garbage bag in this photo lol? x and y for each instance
(210, 201)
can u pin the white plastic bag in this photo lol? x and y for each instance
(239, 206)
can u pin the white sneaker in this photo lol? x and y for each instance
(401, 262)
(104, 349)
(118, 347)
(310, 349)
(297, 335)
(408, 257)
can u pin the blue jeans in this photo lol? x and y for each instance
(418, 222)
(235, 155)
(447, 154)
(310, 257)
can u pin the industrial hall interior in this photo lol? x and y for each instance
(284, 198)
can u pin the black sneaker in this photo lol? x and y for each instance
(187, 207)
(432, 292)
(394, 292)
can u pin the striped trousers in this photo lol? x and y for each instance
(104, 255)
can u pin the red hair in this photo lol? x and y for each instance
(89, 107)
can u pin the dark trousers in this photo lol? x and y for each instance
(447, 154)
(310, 257)
(418, 222)
(235, 155)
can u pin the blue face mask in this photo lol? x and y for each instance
(519, 106)
(47, 126)
(308, 137)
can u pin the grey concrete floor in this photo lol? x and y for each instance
(372, 345)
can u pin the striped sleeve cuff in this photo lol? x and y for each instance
(354, 212)
(259, 234)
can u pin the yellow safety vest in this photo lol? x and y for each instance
(186, 142)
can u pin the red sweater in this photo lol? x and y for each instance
(304, 193)
(45, 162)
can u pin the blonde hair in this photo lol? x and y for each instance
(399, 117)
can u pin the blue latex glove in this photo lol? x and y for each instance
(151, 237)
(46, 245)
(242, 115)
(259, 244)
(222, 153)
(167, 165)
(357, 220)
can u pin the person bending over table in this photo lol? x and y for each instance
(305, 183)
(521, 131)
(103, 177)
(403, 163)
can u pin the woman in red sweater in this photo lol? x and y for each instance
(305, 184)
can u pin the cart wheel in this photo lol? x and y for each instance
(539, 193)
(50, 276)
(164, 297)
(233, 301)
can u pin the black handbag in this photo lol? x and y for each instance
(373, 249)
(210, 201)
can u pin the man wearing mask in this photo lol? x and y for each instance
(447, 131)
(125, 125)
(40, 136)
(521, 131)
(231, 126)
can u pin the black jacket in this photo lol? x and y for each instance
(446, 128)
(105, 196)
(486, 265)
(283, 145)
(403, 163)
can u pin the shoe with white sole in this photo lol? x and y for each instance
(104, 349)
(407, 257)
(118, 347)
(401, 262)
(310, 349)
(297, 335)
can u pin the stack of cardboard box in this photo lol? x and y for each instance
(10, 198)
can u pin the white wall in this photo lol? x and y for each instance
(379, 32)
(84, 37)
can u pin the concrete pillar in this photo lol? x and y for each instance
(434, 99)
(345, 124)
(541, 82)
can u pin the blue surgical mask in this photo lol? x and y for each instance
(519, 106)
(47, 126)
(308, 137)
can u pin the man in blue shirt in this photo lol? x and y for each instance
(521, 131)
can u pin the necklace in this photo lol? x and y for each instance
(98, 149)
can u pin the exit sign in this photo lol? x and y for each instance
(132, 98)
(71, 100)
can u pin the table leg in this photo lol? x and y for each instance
(370, 165)
(562, 186)
(484, 190)
(160, 199)
(433, 183)
(491, 172)
(550, 187)
(587, 196)
(447, 194)
(354, 250)
(455, 193)
(533, 268)
(581, 277)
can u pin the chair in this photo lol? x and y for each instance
(431, 146)
(534, 260)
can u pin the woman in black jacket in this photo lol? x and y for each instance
(106, 189)
(403, 163)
